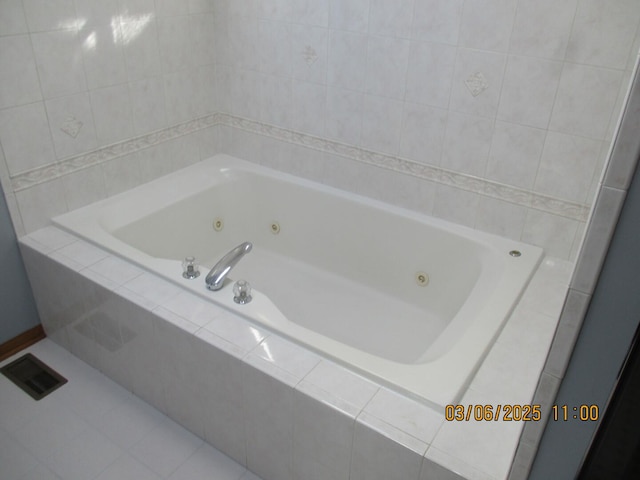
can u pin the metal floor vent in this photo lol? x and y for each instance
(33, 376)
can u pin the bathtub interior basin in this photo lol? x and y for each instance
(413, 301)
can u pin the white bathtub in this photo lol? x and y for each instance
(338, 274)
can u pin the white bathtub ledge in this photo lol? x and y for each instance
(405, 414)
(530, 330)
(175, 320)
(51, 237)
(548, 288)
(32, 243)
(342, 384)
(312, 391)
(66, 261)
(99, 279)
(271, 370)
(153, 288)
(237, 331)
(83, 253)
(221, 344)
(193, 308)
(510, 372)
(116, 270)
(286, 356)
(134, 298)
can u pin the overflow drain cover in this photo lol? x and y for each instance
(33, 376)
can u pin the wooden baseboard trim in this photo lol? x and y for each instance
(21, 342)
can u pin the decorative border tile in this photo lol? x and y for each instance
(518, 196)
(28, 179)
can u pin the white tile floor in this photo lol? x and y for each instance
(91, 428)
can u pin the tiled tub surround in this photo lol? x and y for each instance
(82, 75)
(551, 223)
(602, 225)
(514, 91)
(282, 411)
(518, 93)
(583, 35)
(324, 277)
(531, 111)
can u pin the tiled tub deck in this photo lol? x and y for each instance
(282, 411)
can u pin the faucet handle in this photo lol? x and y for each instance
(242, 292)
(190, 269)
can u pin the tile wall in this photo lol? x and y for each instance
(602, 225)
(476, 111)
(517, 99)
(81, 75)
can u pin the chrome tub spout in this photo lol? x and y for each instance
(215, 278)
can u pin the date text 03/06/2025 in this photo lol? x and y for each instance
(519, 413)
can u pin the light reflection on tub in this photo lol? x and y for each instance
(333, 271)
